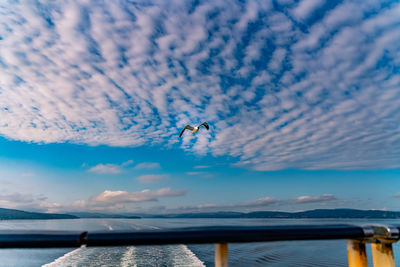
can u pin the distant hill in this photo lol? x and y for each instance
(11, 214)
(316, 214)
(102, 215)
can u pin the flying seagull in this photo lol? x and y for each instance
(195, 129)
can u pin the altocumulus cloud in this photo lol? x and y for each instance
(285, 84)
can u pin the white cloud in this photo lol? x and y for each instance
(127, 163)
(112, 200)
(144, 195)
(321, 94)
(151, 178)
(258, 204)
(106, 169)
(264, 203)
(28, 202)
(109, 168)
(148, 165)
(306, 7)
(315, 199)
(201, 167)
(261, 202)
(17, 198)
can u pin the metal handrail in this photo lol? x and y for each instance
(380, 236)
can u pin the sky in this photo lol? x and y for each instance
(302, 99)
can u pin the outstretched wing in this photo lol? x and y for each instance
(205, 124)
(186, 127)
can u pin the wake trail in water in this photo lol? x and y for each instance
(167, 255)
(65, 260)
(128, 258)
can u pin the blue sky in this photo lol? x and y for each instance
(302, 98)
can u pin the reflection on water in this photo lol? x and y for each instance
(299, 253)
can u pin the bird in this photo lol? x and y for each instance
(195, 129)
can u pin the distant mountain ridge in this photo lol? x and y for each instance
(316, 214)
(102, 215)
(11, 214)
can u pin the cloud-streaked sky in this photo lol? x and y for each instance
(289, 88)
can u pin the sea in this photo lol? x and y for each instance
(288, 253)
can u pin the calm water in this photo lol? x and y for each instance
(304, 253)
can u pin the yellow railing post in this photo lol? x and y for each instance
(356, 253)
(221, 255)
(382, 255)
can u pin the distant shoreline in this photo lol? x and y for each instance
(12, 214)
(309, 214)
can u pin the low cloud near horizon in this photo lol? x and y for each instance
(265, 203)
(314, 199)
(29, 202)
(111, 200)
(308, 84)
(124, 201)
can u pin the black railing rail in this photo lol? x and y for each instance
(381, 238)
(227, 234)
(41, 239)
(189, 235)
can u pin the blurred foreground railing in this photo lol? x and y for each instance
(381, 238)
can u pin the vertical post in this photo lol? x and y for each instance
(382, 254)
(356, 254)
(221, 255)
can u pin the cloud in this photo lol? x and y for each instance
(280, 86)
(201, 167)
(111, 200)
(106, 169)
(127, 163)
(259, 204)
(397, 195)
(17, 198)
(122, 200)
(151, 178)
(144, 195)
(148, 165)
(28, 202)
(262, 203)
(306, 7)
(109, 168)
(315, 199)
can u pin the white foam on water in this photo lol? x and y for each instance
(132, 256)
(166, 255)
(188, 259)
(128, 258)
(67, 259)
